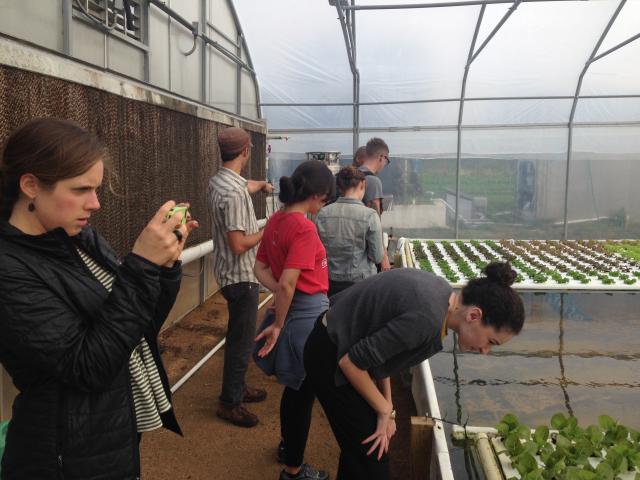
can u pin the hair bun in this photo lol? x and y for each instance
(287, 189)
(500, 273)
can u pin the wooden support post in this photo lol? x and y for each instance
(421, 447)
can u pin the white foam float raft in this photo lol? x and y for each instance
(541, 265)
(495, 461)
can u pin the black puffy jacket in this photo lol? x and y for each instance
(66, 343)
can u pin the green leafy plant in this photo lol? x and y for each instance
(565, 453)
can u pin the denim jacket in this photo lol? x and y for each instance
(352, 235)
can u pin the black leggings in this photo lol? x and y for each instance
(295, 418)
(352, 419)
(337, 287)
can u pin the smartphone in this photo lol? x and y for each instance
(180, 207)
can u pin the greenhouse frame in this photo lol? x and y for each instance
(513, 129)
(535, 100)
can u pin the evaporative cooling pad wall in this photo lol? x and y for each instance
(157, 154)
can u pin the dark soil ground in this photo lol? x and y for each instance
(213, 449)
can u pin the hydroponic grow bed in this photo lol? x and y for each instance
(540, 264)
(603, 451)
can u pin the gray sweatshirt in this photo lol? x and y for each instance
(390, 321)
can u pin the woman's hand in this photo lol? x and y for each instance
(270, 334)
(380, 437)
(158, 242)
(391, 429)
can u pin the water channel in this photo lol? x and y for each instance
(578, 354)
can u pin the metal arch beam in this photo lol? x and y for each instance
(348, 32)
(244, 46)
(613, 49)
(453, 128)
(442, 100)
(189, 26)
(356, 83)
(573, 112)
(473, 54)
(504, 18)
(204, 54)
(463, 88)
(67, 15)
(442, 4)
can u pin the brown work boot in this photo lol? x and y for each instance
(238, 415)
(253, 395)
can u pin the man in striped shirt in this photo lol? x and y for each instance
(235, 237)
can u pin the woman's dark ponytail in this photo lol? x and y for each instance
(310, 178)
(501, 306)
(287, 190)
(500, 273)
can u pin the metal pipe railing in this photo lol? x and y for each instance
(193, 28)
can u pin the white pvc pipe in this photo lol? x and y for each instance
(440, 447)
(487, 458)
(204, 248)
(197, 366)
(196, 252)
(204, 359)
(459, 431)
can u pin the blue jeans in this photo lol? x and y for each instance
(242, 303)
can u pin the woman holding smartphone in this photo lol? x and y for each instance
(78, 326)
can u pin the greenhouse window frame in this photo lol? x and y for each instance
(346, 10)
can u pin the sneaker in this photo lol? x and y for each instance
(307, 472)
(237, 415)
(280, 456)
(253, 395)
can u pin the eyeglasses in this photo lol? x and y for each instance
(387, 159)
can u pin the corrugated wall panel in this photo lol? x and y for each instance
(157, 153)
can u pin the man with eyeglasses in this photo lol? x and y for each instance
(235, 237)
(376, 159)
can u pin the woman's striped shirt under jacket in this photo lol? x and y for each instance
(149, 397)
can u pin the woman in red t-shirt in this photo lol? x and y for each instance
(292, 262)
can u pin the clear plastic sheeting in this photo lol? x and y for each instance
(522, 112)
(426, 144)
(512, 183)
(422, 170)
(595, 110)
(515, 141)
(626, 26)
(409, 114)
(500, 169)
(604, 199)
(297, 50)
(413, 54)
(298, 117)
(289, 152)
(540, 50)
(614, 74)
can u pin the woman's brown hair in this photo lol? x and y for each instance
(501, 306)
(347, 178)
(51, 149)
